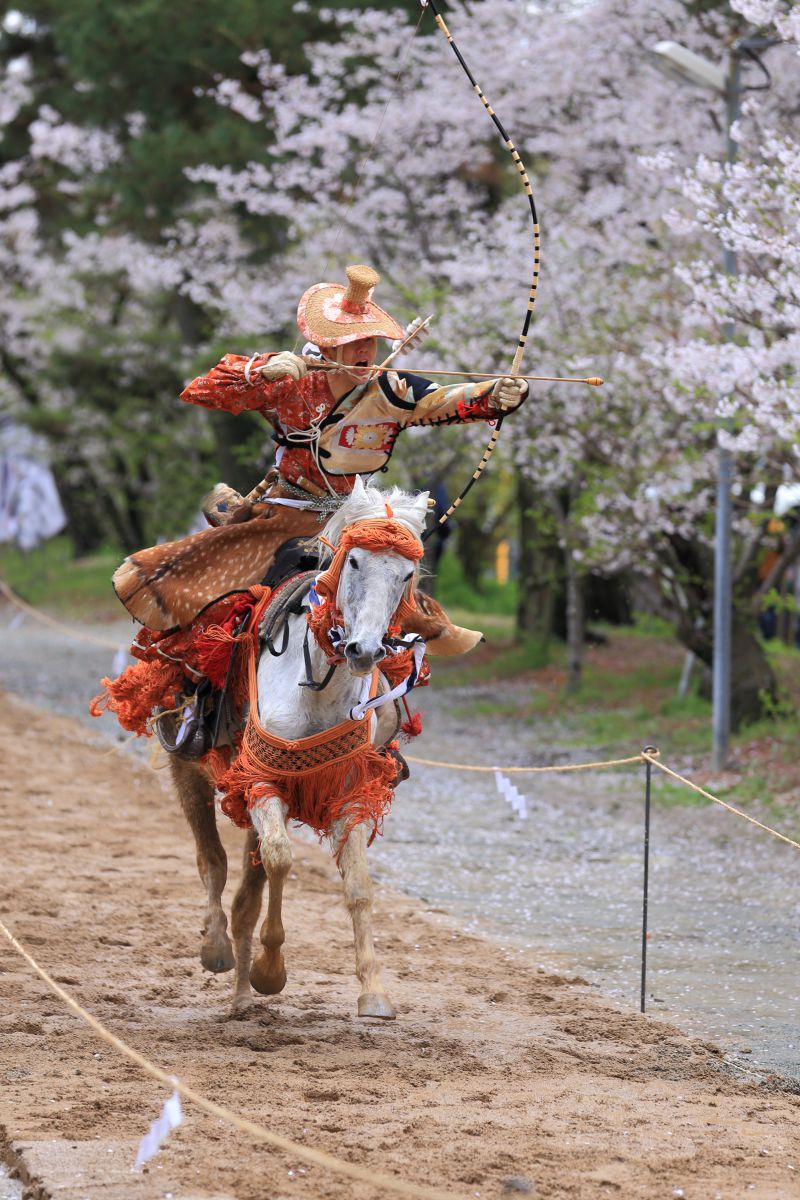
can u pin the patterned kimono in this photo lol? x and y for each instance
(356, 433)
(323, 444)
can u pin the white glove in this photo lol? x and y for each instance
(415, 332)
(283, 366)
(508, 394)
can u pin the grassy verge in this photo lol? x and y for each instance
(51, 578)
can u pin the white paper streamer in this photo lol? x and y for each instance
(507, 790)
(120, 661)
(170, 1118)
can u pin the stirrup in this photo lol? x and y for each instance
(184, 734)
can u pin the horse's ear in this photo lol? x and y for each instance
(359, 491)
(421, 507)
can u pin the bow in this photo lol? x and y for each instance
(518, 163)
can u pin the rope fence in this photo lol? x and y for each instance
(78, 634)
(648, 755)
(317, 1158)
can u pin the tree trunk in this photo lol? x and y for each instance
(753, 684)
(575, 623)
(687, 601)
(539, 567)
(473, 550)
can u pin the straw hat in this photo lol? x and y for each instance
(330, 315)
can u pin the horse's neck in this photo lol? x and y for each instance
(289, 710)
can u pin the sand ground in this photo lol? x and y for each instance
(497, 1078)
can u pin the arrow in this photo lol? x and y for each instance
(592, 381)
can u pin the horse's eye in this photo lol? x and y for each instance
(353, 564)
(409, 576)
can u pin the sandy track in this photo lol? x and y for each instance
(495, 1076)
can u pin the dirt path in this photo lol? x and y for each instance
(496, 1076)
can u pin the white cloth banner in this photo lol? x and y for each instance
(30, 508)
(169, 1119)
(507, 790)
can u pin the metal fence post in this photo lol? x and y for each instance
(647, 781)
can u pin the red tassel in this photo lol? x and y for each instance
(212, 654)
(412, 726)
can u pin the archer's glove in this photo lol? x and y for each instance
(507, 394)
(283, 366)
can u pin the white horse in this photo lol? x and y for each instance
(370, 590)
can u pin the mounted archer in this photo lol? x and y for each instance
(335, 417)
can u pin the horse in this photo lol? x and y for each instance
(372, 585)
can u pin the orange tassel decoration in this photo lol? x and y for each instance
(137, 691)
(333, 776)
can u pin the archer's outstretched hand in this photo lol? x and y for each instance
(508, 394)
(283, 366)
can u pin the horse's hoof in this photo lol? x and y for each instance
(217, 956)
(373, 1004)
(240, 1007)
(265, 982)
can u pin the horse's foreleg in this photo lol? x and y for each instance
(196, 794)
(373, 1001)
(268, 814)
(244, 914)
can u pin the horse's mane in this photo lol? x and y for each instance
(366, 502)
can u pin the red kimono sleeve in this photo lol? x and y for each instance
(225, 386)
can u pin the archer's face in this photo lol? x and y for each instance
(358, 358)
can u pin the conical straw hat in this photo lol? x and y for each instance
(330, 315)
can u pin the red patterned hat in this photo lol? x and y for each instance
(331, 315)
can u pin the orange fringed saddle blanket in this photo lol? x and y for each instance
(337, 775)
(169, 663)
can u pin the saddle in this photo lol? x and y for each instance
(206, 719)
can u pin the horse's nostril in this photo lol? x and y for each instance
(353, 650)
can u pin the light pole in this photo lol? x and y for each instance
(685, 66)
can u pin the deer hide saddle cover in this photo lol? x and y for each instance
(166, 586)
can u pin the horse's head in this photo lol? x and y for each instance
(376, 541)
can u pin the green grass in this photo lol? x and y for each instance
(51, 578)
(453, 591)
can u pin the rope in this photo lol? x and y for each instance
(644, 757)
(592, 766)
(52, 622)
(318, 1158)
(737, 812)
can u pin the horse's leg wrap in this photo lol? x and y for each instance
(244, 914)
(373, 1000)
(196, 795)
(268, 814)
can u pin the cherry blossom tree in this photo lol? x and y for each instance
(379, 152)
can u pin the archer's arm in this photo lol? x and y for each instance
(236, 385)
(429, 404)
(227, 387)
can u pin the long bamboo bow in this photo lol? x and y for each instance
(518, 163)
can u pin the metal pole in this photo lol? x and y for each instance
(647, 780)
(723, 584)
